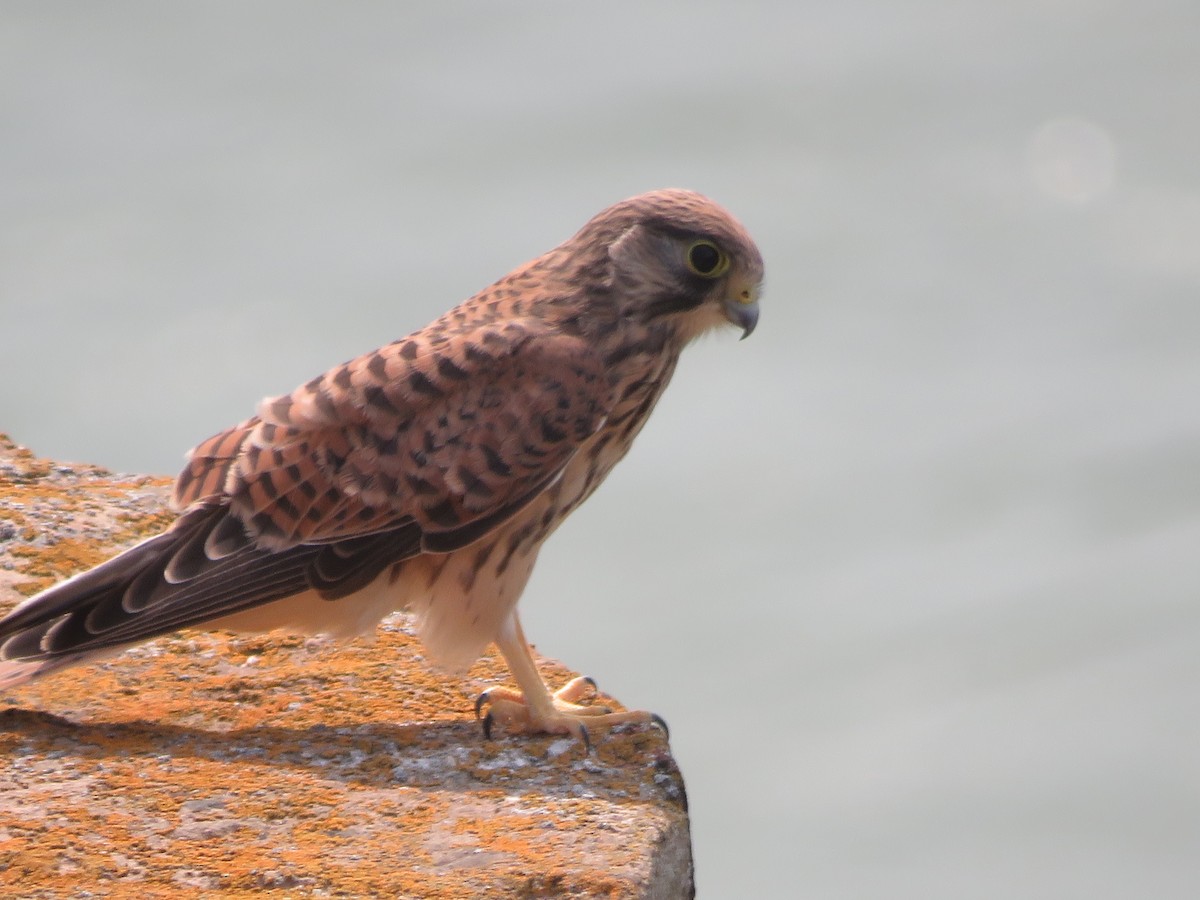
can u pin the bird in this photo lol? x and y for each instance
(427, 474)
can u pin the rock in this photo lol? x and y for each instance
(208, 764)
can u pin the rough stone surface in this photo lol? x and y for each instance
(215, 766)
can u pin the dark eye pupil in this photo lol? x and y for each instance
(704, 258)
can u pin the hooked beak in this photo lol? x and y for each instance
(742, 310)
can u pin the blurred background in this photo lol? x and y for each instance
(913, 572)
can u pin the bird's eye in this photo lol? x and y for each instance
(706, 259)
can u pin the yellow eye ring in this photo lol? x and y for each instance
(704, 258)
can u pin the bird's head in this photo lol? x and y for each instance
(674, 256)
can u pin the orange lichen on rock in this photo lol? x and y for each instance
(209, 765)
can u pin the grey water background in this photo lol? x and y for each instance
(913, 572)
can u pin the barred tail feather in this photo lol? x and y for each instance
(204, 569)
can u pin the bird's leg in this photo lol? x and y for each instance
(532, 703)
(533, 708)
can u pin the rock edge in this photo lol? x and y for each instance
(210, 765)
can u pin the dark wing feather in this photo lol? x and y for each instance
(446, 428)
(423, 446)
(129, 598)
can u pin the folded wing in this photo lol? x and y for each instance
(423, 446)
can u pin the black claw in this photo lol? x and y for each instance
(479, 701)
(592, 681)
(586, 738)
(488, 721)
(656, 719)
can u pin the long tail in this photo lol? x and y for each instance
(203, 568)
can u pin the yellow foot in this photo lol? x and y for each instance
(533, 709)
(566, 698)
(564, 715)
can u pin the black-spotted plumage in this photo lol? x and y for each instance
(425, 474)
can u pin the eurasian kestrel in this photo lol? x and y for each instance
(426, 475)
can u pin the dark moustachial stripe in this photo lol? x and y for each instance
(673, 303)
